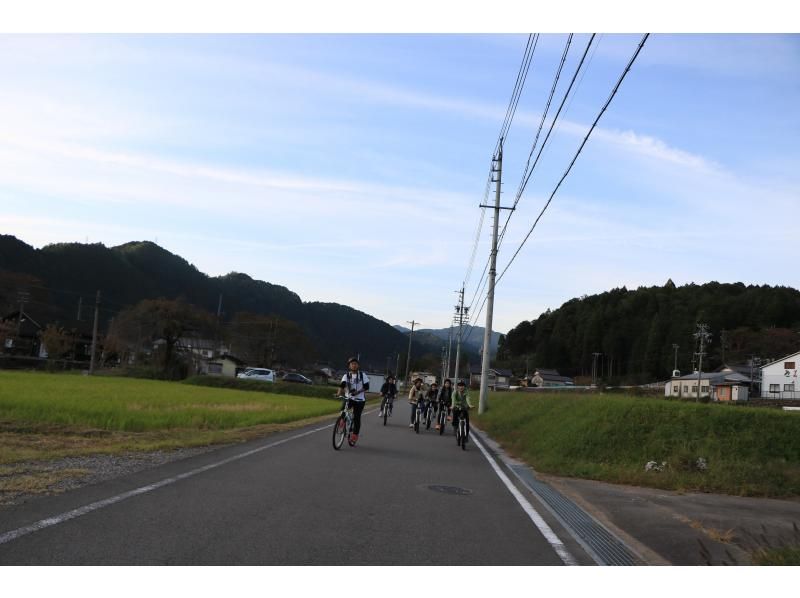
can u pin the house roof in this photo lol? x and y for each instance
(543, 372)
(497, 372)
(739, 369)
(14, 315)
(716, 377)
(552, 377)
(796, 355)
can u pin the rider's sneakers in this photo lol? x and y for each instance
(410, 425)
(437, 426)
(353, 439)
(380, 414)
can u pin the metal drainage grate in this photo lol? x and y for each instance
(602, 545)
(450, 490)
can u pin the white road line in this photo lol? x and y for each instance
(540, 523)
(50, 521)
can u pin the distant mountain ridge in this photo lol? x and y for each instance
(472, 335)
(60, 275)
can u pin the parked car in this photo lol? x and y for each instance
(299, 378)
(262, 374)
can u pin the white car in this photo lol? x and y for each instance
(261, 374)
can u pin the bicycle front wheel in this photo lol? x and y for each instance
(339, 432)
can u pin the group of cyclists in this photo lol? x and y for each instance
(452, 401)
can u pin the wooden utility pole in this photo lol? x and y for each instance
(702, 335)
(94, 332)
(408, 358)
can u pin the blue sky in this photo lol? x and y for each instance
(312, 161)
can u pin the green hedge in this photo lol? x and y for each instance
(281, 388)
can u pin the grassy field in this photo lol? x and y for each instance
(45, 416)
(748, 451)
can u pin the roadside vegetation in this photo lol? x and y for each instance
(47, 416)
(695, 447)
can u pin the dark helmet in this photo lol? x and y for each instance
(352, 359)
(461, 383)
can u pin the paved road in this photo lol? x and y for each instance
(293, 500)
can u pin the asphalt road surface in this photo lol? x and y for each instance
(398, 498)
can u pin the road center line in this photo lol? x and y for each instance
(540, 523)
(51, 521)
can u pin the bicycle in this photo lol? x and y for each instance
(462, 434)
(428, 414)
(343, 426)
(386, 407)
(442, 420)
(417, 415)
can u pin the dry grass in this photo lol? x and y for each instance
(47, 442)
(15, 481)
(725, 537)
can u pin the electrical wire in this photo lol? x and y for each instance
(572, 163)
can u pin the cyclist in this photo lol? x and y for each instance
(415, 395)
(460, 404)
(388, 393)
(431, 401)
(354, 384)
(445, 396)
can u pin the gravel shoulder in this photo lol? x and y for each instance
(24, 481)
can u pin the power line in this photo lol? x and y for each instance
(516, 94)
(526, 176)
(569, 168)
(522, 76)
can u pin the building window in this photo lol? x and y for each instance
(774, 387)
(676, 389)
(694, 389)
(788, 365)
(788, 387)
(704, 388)
(214, 368)
(685, 388)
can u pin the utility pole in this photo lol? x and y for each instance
(723, 338)
(444, 364)
(23, 297)
(219, 326)
(408, 359)
(594, 368)
(397, 366)
(94, 332)
(702, 335)
(449, 350)
(487, 333)
(80, 304)
(675, 366)
(461, 312)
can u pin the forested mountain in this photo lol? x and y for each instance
(635, 330)
(58, 277)
(472, 335)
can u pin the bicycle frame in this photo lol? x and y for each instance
(343, 426)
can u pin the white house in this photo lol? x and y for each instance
(779, 378)
(726, 385)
